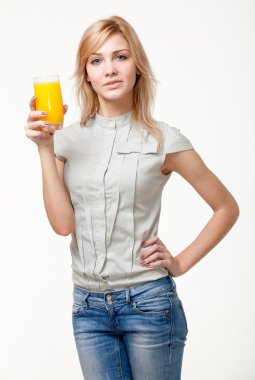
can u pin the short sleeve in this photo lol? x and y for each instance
(59, 145)
(64, 141)
(174, 140)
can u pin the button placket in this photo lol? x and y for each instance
(99, 216)
(128, 192)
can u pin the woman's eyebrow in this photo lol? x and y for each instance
(114, 52)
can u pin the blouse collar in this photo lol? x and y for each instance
(113, 122)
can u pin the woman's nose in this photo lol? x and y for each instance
(110, 68)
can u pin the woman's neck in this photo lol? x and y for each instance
(114, 109)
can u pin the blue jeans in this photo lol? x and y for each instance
(137, 333)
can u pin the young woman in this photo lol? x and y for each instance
(102, 182)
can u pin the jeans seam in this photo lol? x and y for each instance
(120, 364)
(184, 316)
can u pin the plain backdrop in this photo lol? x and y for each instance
(203, 55)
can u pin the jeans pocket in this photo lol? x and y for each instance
(154, 305)
(79, 301)
(76, 308)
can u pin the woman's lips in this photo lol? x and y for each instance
(113, 83)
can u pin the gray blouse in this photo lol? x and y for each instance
(112, 174)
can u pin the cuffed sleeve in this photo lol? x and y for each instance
(174, 140)
(59, 145)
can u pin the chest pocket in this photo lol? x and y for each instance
(127, 155)
(145, 148)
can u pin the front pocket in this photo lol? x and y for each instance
(76, 308)
(154, 305)
(79, 301)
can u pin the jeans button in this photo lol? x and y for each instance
(109, 298)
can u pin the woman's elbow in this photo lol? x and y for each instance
(64, 230)
(233, 210)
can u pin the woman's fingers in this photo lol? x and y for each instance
(149, 241)
(34, 115)
(34, 134)
(38, 124)
(39, 131)
(160, 242)
(152, 249)
(157, 253)
(32, 103)
(154, 257)
(152, 240)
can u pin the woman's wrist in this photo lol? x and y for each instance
(46, 148)
(176, 267)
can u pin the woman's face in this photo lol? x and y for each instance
(112, 62)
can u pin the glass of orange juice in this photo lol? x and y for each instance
(49, 98)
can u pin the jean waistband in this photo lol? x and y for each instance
(150, 288)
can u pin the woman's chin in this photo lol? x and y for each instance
(114, 96)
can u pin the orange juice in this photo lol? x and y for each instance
(49, 98)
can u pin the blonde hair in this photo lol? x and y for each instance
(144, 88)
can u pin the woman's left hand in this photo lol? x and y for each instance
(158, 255)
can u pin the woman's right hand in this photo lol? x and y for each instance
(33, 126)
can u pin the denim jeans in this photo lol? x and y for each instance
(137, 333)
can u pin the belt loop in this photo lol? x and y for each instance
(85, 298)
(127, 296)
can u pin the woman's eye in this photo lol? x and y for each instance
(95, 61)
(121, 56)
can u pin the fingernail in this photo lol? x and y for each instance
(44, 113)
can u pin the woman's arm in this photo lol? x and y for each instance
(226, 211)
(57, 202)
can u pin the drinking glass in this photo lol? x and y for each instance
(49, 98)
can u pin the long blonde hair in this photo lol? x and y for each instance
(144, 88)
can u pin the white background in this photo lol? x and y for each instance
(203, 54)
